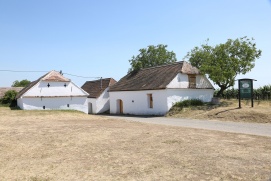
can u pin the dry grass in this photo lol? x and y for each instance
(228, 111)
(56, 145)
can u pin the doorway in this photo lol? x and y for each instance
(119, 106)
(90, 108)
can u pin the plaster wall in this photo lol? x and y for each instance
(176, 95)
(60, 103)
(137, 103)
(100, 104)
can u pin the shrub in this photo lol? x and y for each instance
(9, 97)
(188, 103)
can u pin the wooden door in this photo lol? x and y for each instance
(121, 106)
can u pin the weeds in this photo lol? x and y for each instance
(189, 103)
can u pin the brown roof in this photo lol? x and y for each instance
(3, 90)
(55, 76)
(52, 76)
(96, 87)
(153, 78)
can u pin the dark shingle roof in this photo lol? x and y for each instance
(153, 78)
(96, 87)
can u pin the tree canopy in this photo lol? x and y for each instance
(152, 56)
(22, 83)
(223, 62)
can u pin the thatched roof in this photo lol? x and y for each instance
(96, 87)
(153, 78)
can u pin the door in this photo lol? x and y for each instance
(90, 108)
(121, 107)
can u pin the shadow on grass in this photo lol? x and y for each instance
(14, 108)
(227, 110)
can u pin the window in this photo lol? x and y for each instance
(192, 81)
(150, 101)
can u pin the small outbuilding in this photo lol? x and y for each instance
(53, 91)
(98, 99)
(153, 91)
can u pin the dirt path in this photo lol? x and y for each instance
(226, 126)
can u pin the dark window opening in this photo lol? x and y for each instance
(192, 81)
(68, 105)
(150, 100)
(43, 107)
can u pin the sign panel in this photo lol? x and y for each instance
(245, 87)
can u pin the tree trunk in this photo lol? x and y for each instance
(220, 92)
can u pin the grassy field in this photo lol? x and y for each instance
(228, 110)
(65, 145)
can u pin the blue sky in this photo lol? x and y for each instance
(97, 38)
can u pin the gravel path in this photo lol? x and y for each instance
(226, 126)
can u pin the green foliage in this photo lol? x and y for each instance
(189, 103)
(152, 56)
(22, 83)
(223, 62)
(262, 93)
(9, 98)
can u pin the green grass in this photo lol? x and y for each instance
(189, 103)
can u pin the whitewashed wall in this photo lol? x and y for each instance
(101, 104)
(55, 89)
(56, 96)
(181, 81)
(61, 103)
(176, 95)
(136, 102)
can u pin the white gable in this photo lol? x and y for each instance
(181, 81)
(55, 89)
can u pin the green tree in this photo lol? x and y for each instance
(223, 62)
(22, 83)
(152, 56)
(9, 97)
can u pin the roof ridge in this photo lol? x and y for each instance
(99, 80)
(163, 65)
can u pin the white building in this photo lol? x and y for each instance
(153, 91)
(98, 99)
(53, 91)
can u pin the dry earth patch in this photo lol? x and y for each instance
(63, 145)
(228, 110)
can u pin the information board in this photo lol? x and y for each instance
(245, 88)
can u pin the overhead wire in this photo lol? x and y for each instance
(49, 71)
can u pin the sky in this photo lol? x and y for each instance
(94, 39)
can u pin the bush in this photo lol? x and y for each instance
(9, 98)
(188, 103)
